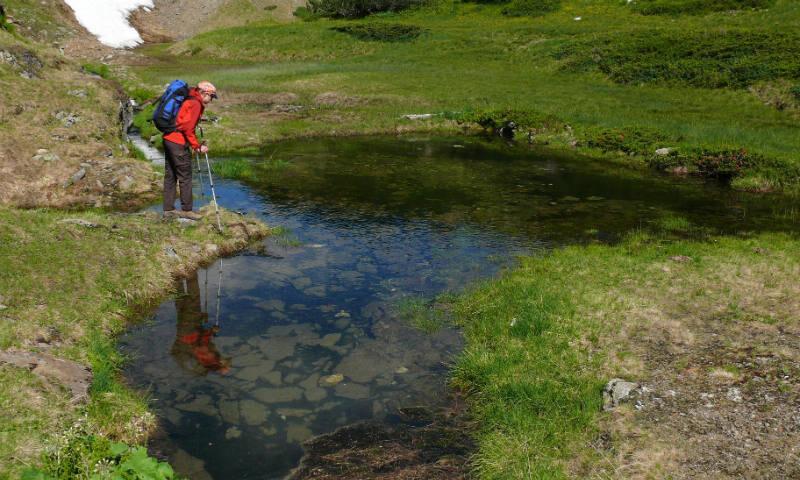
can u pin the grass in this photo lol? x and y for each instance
(72, 289)
(474, 58)
(543, 340)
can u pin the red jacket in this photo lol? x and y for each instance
(188, 116)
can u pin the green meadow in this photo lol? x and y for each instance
(705, 85)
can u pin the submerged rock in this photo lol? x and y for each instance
(253, 413)
(331, 380)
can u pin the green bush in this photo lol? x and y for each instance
(702, 58)
(531, 8)
(382, 32)
(635, 140)
(358, 8)
(695, 7)
(305, 14)
(99, 69)
(726, 164)
(4, 25)
(496, 118)
(795, 92)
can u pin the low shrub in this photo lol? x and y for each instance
(795, 92)
(382, 32)
(722, 164)
(531, 8)
(703, 58)
(4, 23)
(498, 118)
(695, 7)
(99, 69)
(726, 164)
(636, 140)
(358, 8)
(305, 14)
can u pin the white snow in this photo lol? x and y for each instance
(108, 20)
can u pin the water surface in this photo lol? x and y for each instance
(305, 334)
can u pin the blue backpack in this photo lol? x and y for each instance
(168, 105)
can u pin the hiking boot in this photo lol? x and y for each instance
(190, 215)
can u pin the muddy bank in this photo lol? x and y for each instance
(425, 444)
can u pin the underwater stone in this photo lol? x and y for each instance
(351, 390)
(278, 395)
(229, 410)
(253, 413)
(331, 380)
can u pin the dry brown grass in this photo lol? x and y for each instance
(698, 334)
(35, 114)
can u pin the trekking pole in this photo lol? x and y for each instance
(219, 293)
(213, 193)
(200, 175)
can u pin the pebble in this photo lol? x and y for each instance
(331, 380)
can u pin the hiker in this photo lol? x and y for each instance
(177, 153)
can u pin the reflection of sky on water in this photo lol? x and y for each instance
(242, 396)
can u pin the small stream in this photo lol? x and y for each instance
(304, 332)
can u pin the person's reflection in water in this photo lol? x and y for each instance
(194, 348)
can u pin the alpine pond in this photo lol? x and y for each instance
(305, 333)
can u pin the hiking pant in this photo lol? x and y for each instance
(177, 170)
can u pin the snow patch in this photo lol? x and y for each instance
(108, 20)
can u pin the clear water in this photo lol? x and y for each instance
(240, 379)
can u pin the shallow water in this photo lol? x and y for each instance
(242, 378)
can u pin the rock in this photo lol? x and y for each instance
(67, 119)
(212, 248)
(353, 391)
(232, 433)
(331, 380)
(71, 375)
(663, 152)
(229, 410)
(171, 253)
(46, 157)
(186, 222)
(342, 314)
(41, 151)
(278, 395)
(297, 432)
(78, 176)
(126, 183)
(79, 221)
(681, 258)
(617, 391)
(401, 370)
(734, 395)
(330, 339)
(201, 404)
(253, 413)
(418, 116)
(80, 93)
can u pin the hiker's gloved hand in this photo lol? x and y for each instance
(203, 149)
